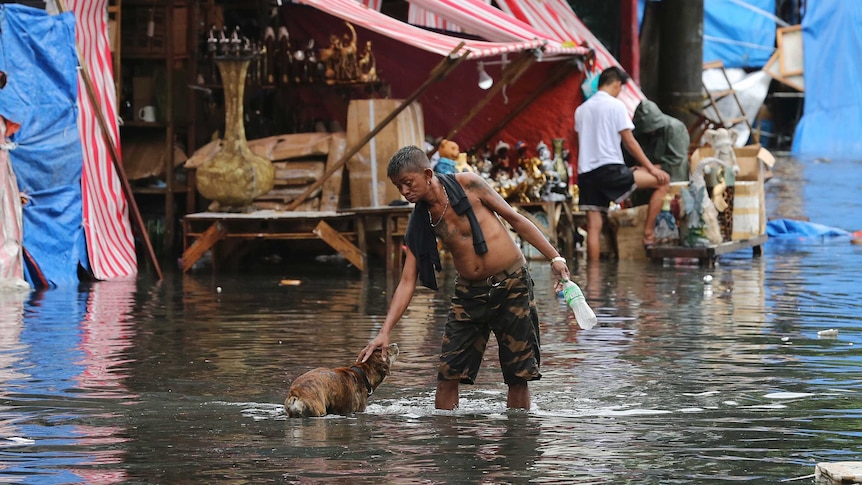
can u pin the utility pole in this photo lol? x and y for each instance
(680, 66)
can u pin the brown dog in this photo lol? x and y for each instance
(342, 390)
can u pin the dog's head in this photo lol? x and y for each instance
(376, 367)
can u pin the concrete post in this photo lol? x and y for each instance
(681, 58)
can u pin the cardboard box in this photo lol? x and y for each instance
(749, 206)
(628, 228)
(369, 185)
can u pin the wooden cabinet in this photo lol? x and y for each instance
(152, 69)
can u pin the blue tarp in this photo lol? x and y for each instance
(740, 33)
(792, 229)
(39, 57)
(832, 39)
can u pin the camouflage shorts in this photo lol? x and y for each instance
(509, 310)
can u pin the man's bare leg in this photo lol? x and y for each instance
(645, 180)
(447, 395)
(519, 396)
(594, 234)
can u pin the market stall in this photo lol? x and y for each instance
(534, 86)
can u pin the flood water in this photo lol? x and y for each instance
(682, 381)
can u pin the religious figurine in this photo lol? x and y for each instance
(223, 43)
(545, 156)
(461, 164)
(555, 188)
(500, 160)
(367, 65)
(559, 163)
(284, 56)
(349, 56)
(311, 68)
(212, 51)
(666, 231)
(235, 45)
(331, 58)
(268, 53)
(701, 226)
(723, 181)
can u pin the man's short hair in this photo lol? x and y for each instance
(407, 159)
(611, 75)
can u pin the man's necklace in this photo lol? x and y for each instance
(434, 224)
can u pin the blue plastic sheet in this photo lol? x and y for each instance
(832, 39)
(740, 33)
(793, 229)
(39, 57)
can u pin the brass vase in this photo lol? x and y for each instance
(235, 176)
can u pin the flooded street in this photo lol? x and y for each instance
(682, 382)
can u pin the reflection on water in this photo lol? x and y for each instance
(683, 381)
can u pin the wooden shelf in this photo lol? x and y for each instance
(157, 54)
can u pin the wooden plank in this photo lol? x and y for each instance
(340, 243)
(713, 65)
(208, 239)
(287, 236)
(331, 189)
(790, 50)
(298, 172)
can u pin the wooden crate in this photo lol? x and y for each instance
(369, 185)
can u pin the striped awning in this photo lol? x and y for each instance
(519, 36)
(556, 18)
(478, 18)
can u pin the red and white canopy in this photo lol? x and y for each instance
(556, 18)
(474, 15)
(491, 23)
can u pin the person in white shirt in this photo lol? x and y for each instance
(602, 122)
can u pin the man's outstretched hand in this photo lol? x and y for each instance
(381, 341)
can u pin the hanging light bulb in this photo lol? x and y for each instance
(485, 81)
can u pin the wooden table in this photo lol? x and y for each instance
(390, 223)
(203, 231)
(707, 255)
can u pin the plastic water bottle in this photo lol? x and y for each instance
(584, 315)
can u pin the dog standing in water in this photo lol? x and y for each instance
(341, 390)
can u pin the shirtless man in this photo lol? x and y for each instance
(493, 287)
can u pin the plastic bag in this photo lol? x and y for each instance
(590, 84)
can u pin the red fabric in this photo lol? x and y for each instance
(110, 244)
